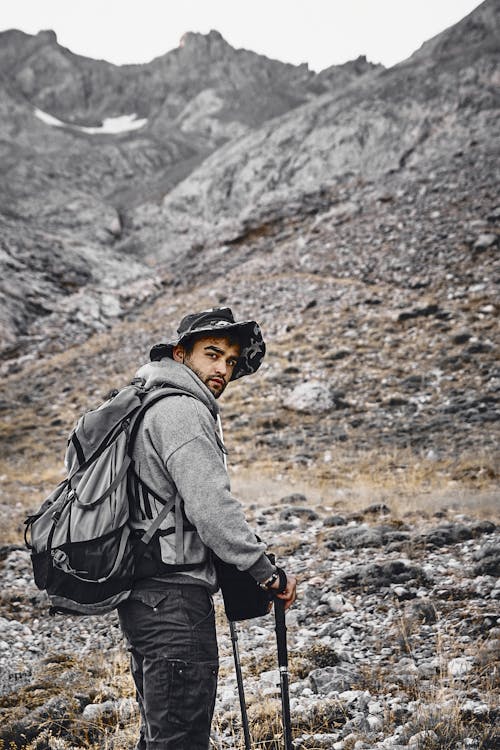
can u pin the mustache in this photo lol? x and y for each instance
(218, 379)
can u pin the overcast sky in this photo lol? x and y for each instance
(319, 32)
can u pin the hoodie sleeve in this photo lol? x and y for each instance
(198, 470)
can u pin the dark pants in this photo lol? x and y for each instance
(173, 648)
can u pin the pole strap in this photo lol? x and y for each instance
(283, 580)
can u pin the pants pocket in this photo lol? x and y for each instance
(178, 703)
(199, 607)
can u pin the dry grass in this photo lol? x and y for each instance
(436, 710)
(404, 484)
(444, 725)
(68, 682)
(266, 727)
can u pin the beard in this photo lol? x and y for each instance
(215, 388)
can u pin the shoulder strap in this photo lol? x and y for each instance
(169, 506)
(137, 419)
(174, 502)
(155, 525)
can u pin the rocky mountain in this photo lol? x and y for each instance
(360, 226)
(75, 162)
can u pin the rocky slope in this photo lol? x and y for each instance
(102, 207)
(376, 287)
(422, 111)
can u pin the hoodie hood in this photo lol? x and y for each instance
(167, 371)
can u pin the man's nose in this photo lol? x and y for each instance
(221, 367)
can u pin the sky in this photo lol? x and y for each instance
(318, 32)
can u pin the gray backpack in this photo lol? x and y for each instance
(83, 552)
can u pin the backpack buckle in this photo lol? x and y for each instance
(60, 558)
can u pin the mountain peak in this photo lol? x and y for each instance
(47, 35)
(194, 39)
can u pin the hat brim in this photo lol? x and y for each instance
(253, 347)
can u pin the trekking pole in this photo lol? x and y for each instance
(239, 679)
(279, 616)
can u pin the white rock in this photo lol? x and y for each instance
(337, 603)
(475, 707)
(375, 707)
(484, 241)
(271, 678)
(110, 306)
(460, 666)
(400, 591)
(375, 723)
(312, 397)
(96, 711)
(424, 739)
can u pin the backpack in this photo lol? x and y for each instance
(82, 550)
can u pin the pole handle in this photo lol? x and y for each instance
(279, 616)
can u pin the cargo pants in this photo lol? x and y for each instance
(170, 634)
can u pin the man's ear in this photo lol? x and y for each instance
(178, 353)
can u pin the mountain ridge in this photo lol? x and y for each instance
(437, 99)
(80, 190)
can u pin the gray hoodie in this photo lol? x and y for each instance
(177, 451)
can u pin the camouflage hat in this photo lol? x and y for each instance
(218, 321)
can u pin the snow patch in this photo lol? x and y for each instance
(48, 119)
(110, 126)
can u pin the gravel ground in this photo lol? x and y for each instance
(397, 625)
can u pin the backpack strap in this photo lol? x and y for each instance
(155, 525)
(174, 504)
(114, 484)
(162, 392)
(179, 531)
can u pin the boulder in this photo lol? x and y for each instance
(312, 397)
(329, 680)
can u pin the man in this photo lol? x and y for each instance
(179, 458)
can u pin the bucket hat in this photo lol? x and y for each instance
(220, 320)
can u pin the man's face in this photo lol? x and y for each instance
(213, 360)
